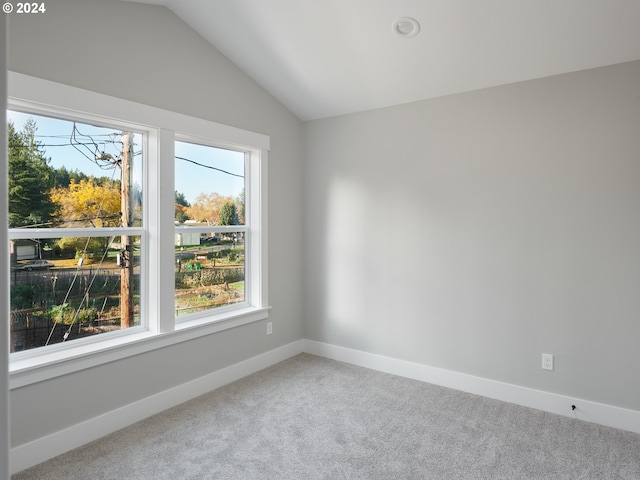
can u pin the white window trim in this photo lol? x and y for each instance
(161, 329)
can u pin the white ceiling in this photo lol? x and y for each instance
(323, 58)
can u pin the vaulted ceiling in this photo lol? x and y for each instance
(324, 58)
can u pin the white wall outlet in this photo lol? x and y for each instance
(547, 361)
(269, 328)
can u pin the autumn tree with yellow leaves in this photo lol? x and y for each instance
(87, 204)
(207, 207)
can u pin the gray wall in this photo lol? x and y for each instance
(146, 54)
(476, 231)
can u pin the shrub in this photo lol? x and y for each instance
(66, 314)
(25, 295)
(212, 276)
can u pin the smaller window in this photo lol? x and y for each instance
(211, 227)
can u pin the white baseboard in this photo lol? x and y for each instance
(589, 411)
(42, 449)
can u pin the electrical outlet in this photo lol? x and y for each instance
(269, 328)
(547, 361)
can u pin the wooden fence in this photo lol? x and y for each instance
(31, 328)
(36, 327)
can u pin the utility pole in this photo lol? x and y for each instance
(126, 242)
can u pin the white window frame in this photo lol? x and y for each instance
(159, 327)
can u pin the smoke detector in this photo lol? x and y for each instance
(406, 27)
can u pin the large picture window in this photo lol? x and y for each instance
(69, 181)
(126, 222)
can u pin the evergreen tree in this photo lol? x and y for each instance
(181, 204)
(181, 199)
(239, 200)
(228, 214)
(61, 177)
(30, 178)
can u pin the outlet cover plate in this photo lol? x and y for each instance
(547, 361)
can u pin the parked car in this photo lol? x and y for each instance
(35, 265)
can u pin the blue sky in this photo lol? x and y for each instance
(191, 179)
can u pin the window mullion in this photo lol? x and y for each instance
(161, 231)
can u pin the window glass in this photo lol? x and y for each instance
(68, 174)
(210, 233)
(210, 185)
(58, 295)
(66, 180)
(211, 274)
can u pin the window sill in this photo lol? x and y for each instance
(28, 369)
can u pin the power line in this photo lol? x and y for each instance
(75, 143)
(210, 167)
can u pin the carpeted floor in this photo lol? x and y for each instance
(312, 418)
